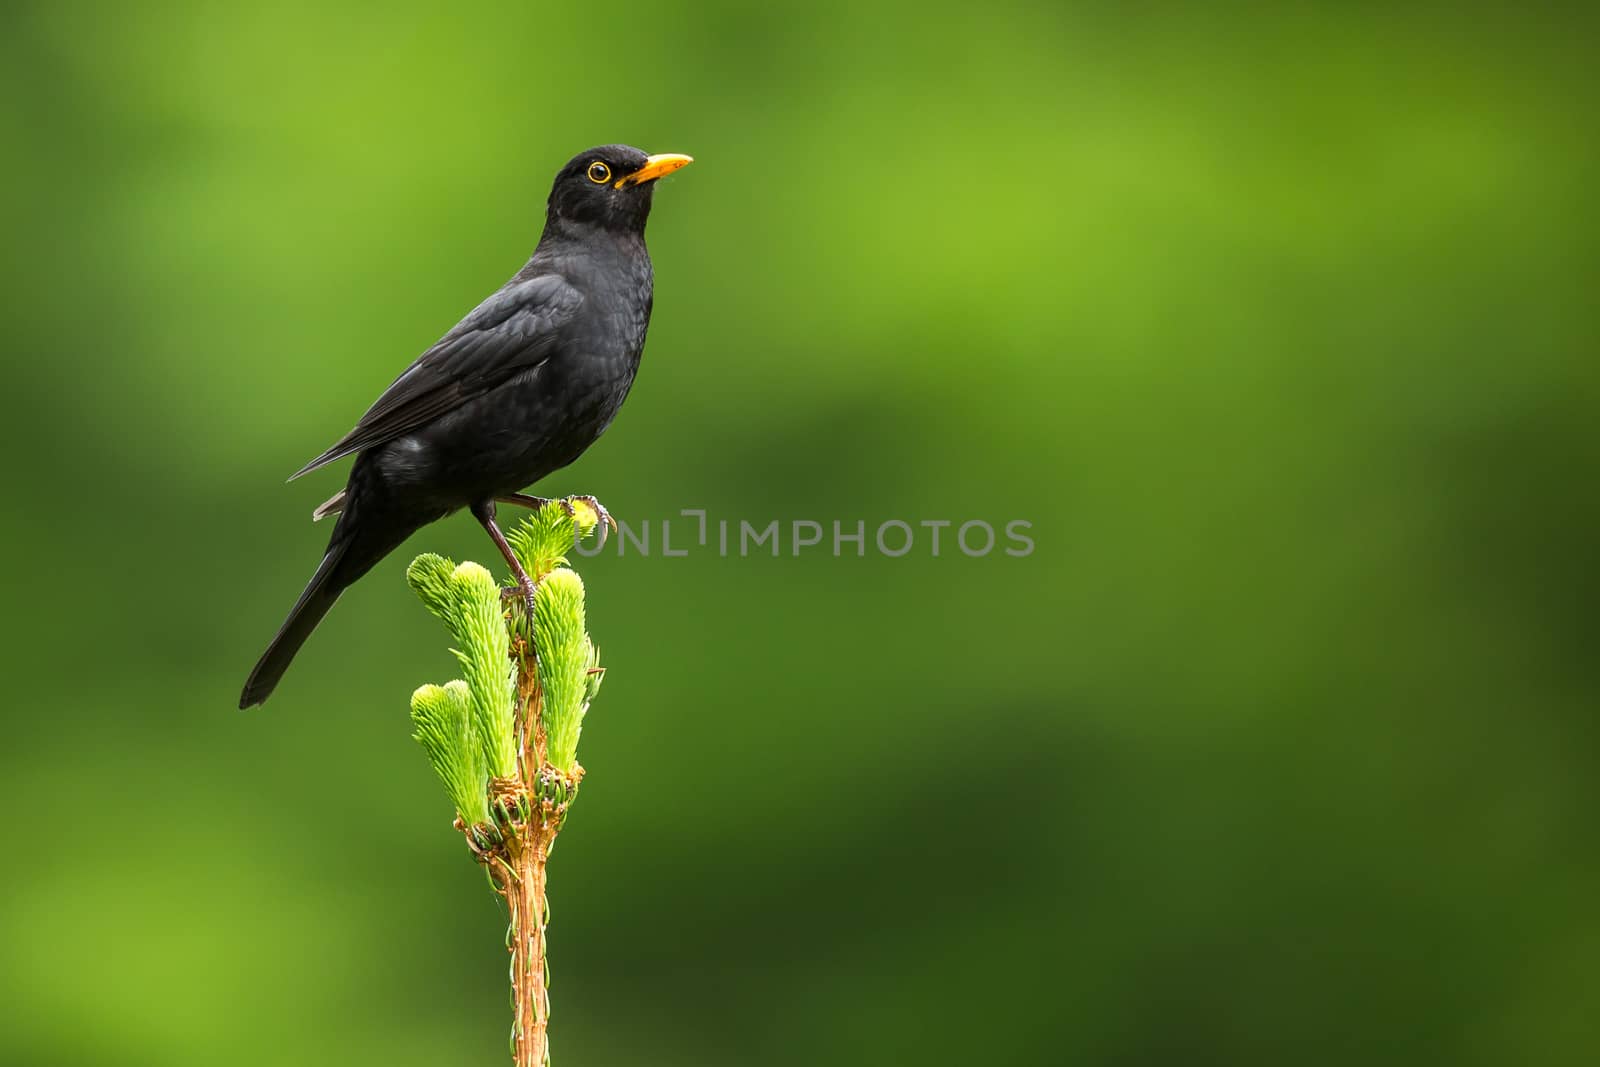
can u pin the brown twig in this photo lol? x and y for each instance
(528, 813)
(530, 986)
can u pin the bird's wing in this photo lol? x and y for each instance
(512, 330)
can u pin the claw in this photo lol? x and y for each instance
(604, 516)
(509, 593)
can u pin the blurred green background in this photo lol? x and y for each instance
(1278, 323)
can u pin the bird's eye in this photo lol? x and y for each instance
(599, 173)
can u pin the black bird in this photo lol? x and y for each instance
(518, 389)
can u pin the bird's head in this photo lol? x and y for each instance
(610, 187)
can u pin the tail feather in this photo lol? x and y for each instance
(318, 598)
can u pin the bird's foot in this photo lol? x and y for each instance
(524, 589)
(534, 503)
(604, 516)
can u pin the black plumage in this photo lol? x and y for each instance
(518, 389)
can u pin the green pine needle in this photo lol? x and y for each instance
(429, 578)
(468, 727)
(565, 656)
(480, 627)
(594, 676)
(467, 600)
(541, 541)
(443, 718)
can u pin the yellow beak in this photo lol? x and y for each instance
(655, 167)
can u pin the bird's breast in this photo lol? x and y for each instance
(555, 413)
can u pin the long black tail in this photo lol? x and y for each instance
(319, 596)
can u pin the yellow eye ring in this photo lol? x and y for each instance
(599, 173)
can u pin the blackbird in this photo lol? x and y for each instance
(518, 389)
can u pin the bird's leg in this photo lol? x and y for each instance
(483, 511)
(534, 503)
(524, 500)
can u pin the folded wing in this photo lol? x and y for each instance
(513, 330)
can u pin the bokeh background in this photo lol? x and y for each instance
(1278, 323)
